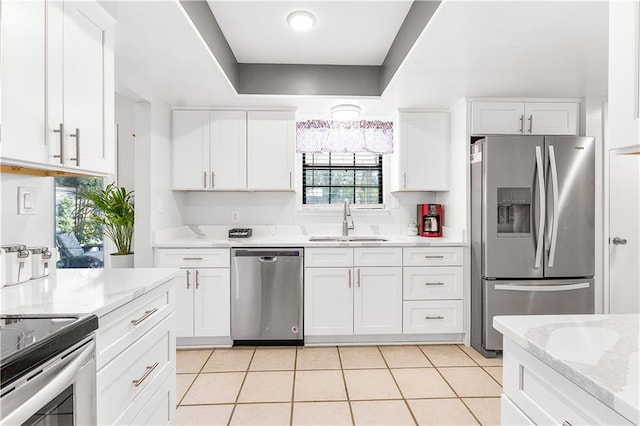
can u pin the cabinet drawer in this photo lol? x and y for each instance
(193, 258)
(328, 257)
(119, 329)
(159, 410)
(546, 397)
(432, 317)
(433, 256)
(147, 363)
(376, 256)
(443, 282)
(511, 415)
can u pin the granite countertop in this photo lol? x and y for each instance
(294, 236)
(599, 353)
(70, 291)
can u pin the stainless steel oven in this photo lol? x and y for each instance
(48, 370)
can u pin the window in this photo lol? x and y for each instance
(332, 177)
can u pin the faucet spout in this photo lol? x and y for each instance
(346, 214)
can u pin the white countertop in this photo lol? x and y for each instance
(69, 291)
(293, 236)
(599, 353)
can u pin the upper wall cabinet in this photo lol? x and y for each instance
(421, 153)
(233, 150)
(528, 118)
(624, 74)
(58, 86)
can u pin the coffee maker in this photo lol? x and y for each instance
(430, 220)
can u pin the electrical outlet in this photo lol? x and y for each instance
(235, 216)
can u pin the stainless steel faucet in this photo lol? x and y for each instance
(346, 213)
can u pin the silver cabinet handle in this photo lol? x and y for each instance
(77, 136)
(60, 130)
(522, 123)
(213, 179)
(290, 180)
(530, 123)
(204, 180)
(146, 315)
(148, 371)
(428, 283)
(188, 283)
(619, 241)
(434, 257)
(404, 177)
(191, 258)
(197, 279)
(358, 277)
(349, 278)
(434, 318)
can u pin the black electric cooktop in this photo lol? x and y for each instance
(27, 341)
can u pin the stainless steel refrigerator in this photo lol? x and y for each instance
(532, 230)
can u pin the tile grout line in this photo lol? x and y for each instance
(246, 372)
(404, 399)
(346, 389)
(293, 384)
(195, 378)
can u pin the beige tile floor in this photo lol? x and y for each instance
(381, 385)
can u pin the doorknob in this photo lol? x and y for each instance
(619, 241)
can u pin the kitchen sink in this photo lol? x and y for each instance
(350, 238)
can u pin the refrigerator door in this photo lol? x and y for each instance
(541, 297)
(512, 206)
(569, 240)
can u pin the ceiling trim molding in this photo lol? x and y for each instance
(302, 79)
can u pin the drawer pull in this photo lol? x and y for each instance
(434, 318)
(197, 279)
(434, 257)
(149, 370)
(427, 283)
(191, 258)
(146, 315)
(188, 276)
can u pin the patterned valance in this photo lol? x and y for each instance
(344, 136)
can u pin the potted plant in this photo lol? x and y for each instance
(113, 209)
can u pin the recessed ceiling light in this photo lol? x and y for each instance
(301, 20)
(345, 112)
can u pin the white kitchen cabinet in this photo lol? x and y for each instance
(209, 150)
(270, 150)
(58, 97)
(328, 301)
(203, 292)
(422, 152)
(624, 75)
(527, 118)
(377, 300)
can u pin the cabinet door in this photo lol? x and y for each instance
(228, 150)
(328, 301)
(212, 300)
(88, 87)
(22, 61)
(378, 301)
(497, 118)
(270, 150)
(190, 149)
(551, 118)
(184, 303)
(424, 152)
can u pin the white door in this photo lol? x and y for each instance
(88, 87)
(624, 234)
(184, 304)
(328, 301)
(497, 118)
(190, 149)
(22, 60)
(212, 301)
(551, 118)
(270, 150)
(228, 150)
(378, 301)
(424, 151)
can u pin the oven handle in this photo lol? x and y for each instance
(562, 287)
(49, 391)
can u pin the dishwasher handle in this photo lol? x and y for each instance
(267, 259)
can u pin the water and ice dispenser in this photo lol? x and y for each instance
(514, 211)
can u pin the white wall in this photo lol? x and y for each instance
(32, 230)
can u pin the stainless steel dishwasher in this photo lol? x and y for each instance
(266, 296)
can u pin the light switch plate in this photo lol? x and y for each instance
(26, 200)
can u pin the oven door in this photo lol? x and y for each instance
(535, 297)
(60, 392)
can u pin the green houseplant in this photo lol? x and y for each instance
(113, 208)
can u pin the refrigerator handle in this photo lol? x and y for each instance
(543, 208)
(563, 287)
(556, 206)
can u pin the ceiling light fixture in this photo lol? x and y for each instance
(345, 112)
(301, 20)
